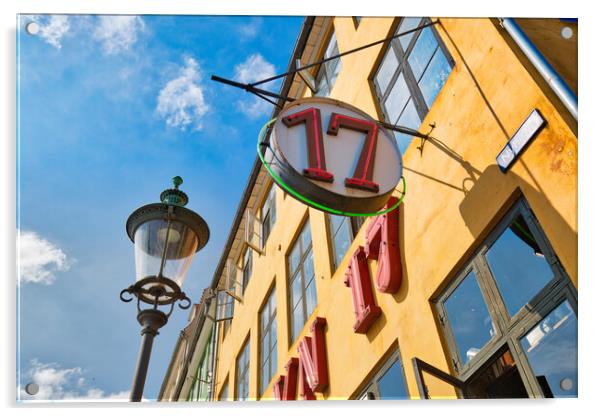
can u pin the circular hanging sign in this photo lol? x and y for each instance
(334, 155)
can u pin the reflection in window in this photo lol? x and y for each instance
(551, 348)
(302, 284)
(469, 318)
(518, 265)
(328, 72)
(410, 76)
(389, 382)
(247, 269)
(392, 385)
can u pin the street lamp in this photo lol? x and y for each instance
(166, 236)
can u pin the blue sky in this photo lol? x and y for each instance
(110, 109)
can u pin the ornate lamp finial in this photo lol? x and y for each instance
(174, 196)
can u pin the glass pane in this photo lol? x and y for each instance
(392, 385)
(294, 258)
(296, 288)
(422, 52)
(311, 299)
(341, 243)
(434, 77)
(332, 48)
(469, 318)
(298, 320)
(397, 99)
(386, 70)
(518, 265)
(265, 377)
(306, 236)
(551, 348)
(323, 88)
(408, 23)
(308, 266)
(335, 222)
(273, 334)
(409, 118)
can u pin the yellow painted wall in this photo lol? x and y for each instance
(453, 200)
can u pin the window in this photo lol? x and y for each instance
(247, 268)
(202, 378)
(328, 72)
(242, 373)
(510, 315)
(342, 232)
(268, 215)
(389, 382)
(302, 285)
(410, 75)
(268, 341)
(223, 396)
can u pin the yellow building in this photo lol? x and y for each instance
(487, 304)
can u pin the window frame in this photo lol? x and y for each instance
(272, 320)
(404, 69)
(509, 330)
(371, 385)
(290, 274)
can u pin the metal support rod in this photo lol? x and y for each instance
(248, 87)
(151, 320)
(330, 58)
(553, 79)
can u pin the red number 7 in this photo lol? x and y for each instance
(312, 118)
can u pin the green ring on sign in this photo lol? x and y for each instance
(309, 201)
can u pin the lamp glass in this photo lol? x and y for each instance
(160, 239)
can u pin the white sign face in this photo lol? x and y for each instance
(335, 155)
(519, 140)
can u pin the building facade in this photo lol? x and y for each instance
(485, 255)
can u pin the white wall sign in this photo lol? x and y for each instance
(335, 155)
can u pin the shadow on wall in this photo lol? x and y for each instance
(489, 185)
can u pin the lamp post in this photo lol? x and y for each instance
(166, 235)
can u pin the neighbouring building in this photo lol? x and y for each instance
(485, 253)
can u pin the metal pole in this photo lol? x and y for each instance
(151, 320)
(554, 80)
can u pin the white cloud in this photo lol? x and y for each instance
(52, 28)
(182, 102)
(39, 258)
(250, 30)
(67, 384)
(255, 68)
(118, 33)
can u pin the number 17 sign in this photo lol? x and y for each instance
(334, 155)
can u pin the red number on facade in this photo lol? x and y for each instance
(357, 277)
(285, 388)
(382, 242)
(311, 367)
(312, 119)
(362, 177)
(312, 356)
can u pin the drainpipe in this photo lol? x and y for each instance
(542, 65)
